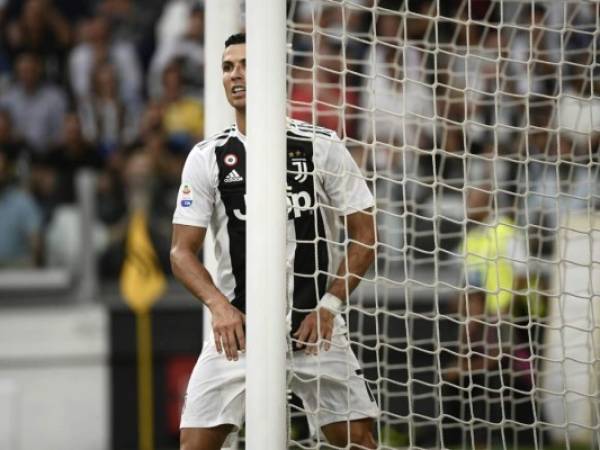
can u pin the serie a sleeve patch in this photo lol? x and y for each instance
(186, 196)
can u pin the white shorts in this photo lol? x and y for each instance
(329, 384)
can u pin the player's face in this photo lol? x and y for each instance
(234, 75)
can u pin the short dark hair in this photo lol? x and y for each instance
(234, 39)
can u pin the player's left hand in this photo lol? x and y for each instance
(315, 330)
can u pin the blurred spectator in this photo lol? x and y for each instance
(333, 104)
(43, 184)
(303, 26)
(20, 223)
(4, 55)
(183, 119)
(144, 185)
(579, 113)
(133, 21)
(557, 184)
(127, 19)
(493, 352)
(395, 94)
(484, 91)
(351, 19)
(106, 118)
(580, 19)
(98, 47)
(188, 49)
(398, 110)
(13, 147)
(72, 154)
(110, 203)
(167, 160)
(151, 122)
(173, 21)
(534, 59)
(63, 232)
(36, 108)
(41, 29)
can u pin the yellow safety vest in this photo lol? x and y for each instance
(486, 250)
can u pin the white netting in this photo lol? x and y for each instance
(476, 123)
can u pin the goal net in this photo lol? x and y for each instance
(476, 125)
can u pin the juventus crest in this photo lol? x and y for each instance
(299, 164)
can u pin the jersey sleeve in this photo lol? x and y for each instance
(196, 196)
(343, 181)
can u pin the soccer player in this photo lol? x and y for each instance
(322, 181)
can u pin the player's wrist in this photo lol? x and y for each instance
(331, 303)
(216, 302)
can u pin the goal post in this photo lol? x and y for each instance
(266, 226)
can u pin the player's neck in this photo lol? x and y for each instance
(240, 120)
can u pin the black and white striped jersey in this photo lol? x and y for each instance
(323, 183)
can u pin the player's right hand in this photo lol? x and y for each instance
(228, 329)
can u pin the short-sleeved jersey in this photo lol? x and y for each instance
(323, 183)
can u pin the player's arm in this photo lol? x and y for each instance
(227, 320)
(349, 194)
(360, 253)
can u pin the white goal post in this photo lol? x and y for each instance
(266, 226)
(476, 124)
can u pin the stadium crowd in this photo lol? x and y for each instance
(113, 86)
(116, 86)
